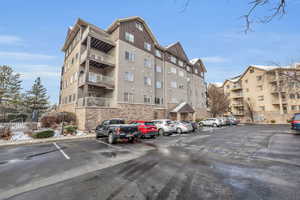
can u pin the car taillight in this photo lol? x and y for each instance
(296, 122)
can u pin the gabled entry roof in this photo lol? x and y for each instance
(183, 107)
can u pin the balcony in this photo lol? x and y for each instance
(275, 101)
(97, 59)
(239, 113)
(239, 104)
(238, 96)
(98, 80)
(94, 102)
(236, 87)
(99, 40)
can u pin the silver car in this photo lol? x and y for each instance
(164, 126)
(215, 122)
(182, 127)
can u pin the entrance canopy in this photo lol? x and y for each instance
(183, 107)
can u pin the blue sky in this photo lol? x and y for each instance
(32, 33)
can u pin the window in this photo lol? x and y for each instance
(262, 108)
(158, 68)
(228, 86)
(247, 90)
(158, 100)
(129, 76)
(158, 84)
(293, 107)
(298, 95)
(173, 70)
(251, 70)
(158, 53)
(129, 56)
(174, 84)
(181, 86)
(147, 63)
(260, 87)
(70, 98)
(246, 81)
(76, 57)
(260, 98)
(173, 59)
(180, 63)
(188, 68)
(196, 71)
(129, 37)
(181, 73)
(292, 96)
(139, 26)
(74, 97)
(259, 78)
(147, 99)
(147, 81)
(128, 97)
(147, 46)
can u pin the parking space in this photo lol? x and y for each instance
(235, 162)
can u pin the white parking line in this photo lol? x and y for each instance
(63, 153)
(112, 146)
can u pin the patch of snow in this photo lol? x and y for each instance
(19, 135)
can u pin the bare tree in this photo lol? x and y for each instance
(274, 8)
(218, 102)
(249, 109)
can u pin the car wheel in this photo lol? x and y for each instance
(131, 140)
(179, 131)
(215, 125)
(111, 138)
(161, 132)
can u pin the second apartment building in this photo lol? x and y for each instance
(124, 72)
(271, 93)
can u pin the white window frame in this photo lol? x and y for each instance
(129, 76)
(147, 46)
(147, 81)
(147, 63)
(139, 26)
(173, 59)
(173, 84)
(158, 68)
(158, 84)
(157, 53)
(147, 99)
(180, 63)
(129, 37)
(131, 56)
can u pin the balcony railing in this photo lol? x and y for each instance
(100, 79)
(236, 87)
(238, 95)
(237, 104)
(94, 101)
(101, 57)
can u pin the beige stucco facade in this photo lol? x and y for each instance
(260, 89)
(124, 73)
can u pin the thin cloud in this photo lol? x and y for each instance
(24, 56)
(10, 39)
(214, 59)
(30, 72)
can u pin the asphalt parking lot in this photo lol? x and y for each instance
(243, 162)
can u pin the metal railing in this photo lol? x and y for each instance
(99, 78)
(95, 101)
(101, 57)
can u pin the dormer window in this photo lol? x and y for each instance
(129, 37)
(180, 63)
(139, 26)
(147, 46)
(158, 53)
(173, 59)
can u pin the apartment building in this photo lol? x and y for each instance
(124, 72)
(270, 93)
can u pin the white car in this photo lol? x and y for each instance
(164, 126)
(215, 122)
(182, 127)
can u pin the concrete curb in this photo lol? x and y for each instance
(47, 140)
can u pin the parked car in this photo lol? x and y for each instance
(224, 121)
(146, 128)
(164, 126)
(215, 122)
(194, 124)
(233, 120)
(116, 129)
(182, 127)
(295, 122)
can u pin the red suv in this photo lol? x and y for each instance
(146, 128)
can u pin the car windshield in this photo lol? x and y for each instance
(297, 117)
(116, 121)
(149, 123)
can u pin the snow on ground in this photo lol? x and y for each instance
(19, 135)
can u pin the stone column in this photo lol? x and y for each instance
(178, 117)
(194, 116)
(279, 92)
